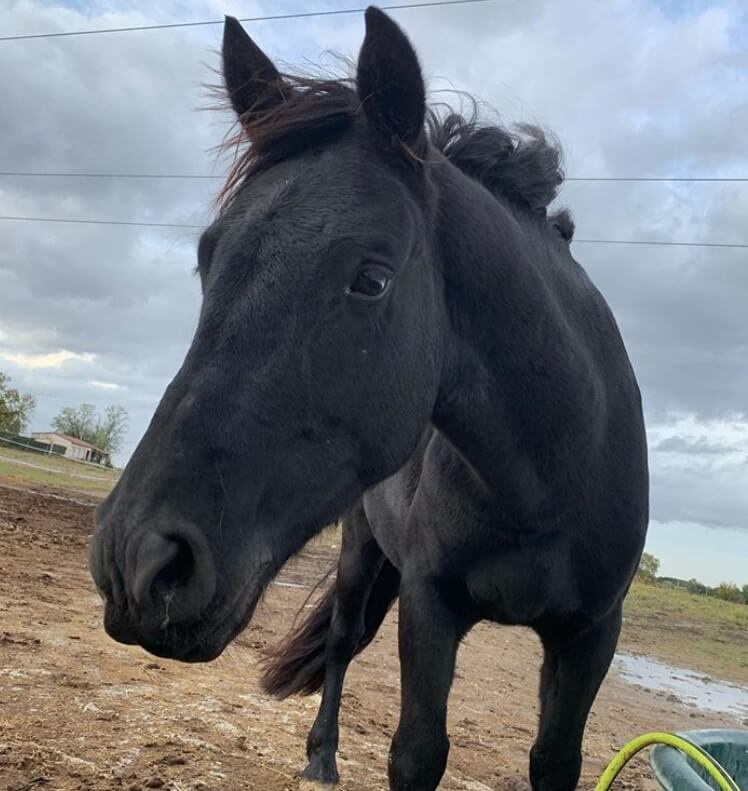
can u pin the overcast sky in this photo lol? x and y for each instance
(104, 314)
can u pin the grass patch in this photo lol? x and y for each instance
(686, 629)
(55, 462)
(55, 471)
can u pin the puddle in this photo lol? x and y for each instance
(688, 686)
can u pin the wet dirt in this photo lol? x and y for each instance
(695, 689)
(78, 711)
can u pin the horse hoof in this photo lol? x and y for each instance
(314, 785)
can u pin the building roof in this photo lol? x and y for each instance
(73, 440)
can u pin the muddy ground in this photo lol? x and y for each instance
(78, 711)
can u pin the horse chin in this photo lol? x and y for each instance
(184, 643)
(206, 649)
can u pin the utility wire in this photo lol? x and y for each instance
(145, 224)
(77, 221)
(660, 243)
(648, 178)
(207, 176)
(268, 18)
(42, 174)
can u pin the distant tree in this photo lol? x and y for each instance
(104, 431)
(111, 429)
(649, 565)
(77, 421)
(694, 586)
(672, 582)
(15, 407)
(745, 594)
(728, 591)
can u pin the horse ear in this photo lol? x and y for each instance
(389, 79)
(252, 81)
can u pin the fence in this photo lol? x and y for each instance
(43, 449)
(28, 443)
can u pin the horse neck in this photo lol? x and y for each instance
(499, 312)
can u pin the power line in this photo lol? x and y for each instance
(42, 174)
(209, 177)
(268, 18)
(146, 224)
(77, 221)
(660, 243)
(649, 178)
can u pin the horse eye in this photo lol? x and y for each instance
(371, 283)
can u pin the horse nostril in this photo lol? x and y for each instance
(174, 574)
(178, 570)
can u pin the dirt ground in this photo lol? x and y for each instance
(78, 711)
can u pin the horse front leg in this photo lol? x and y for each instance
(360, 563)
(430, 630)
(573, 669)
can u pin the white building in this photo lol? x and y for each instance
(74, 448)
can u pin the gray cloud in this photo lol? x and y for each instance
(700, 446)
(631, 89)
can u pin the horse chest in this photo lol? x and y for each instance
(512, 577)
(521, 585)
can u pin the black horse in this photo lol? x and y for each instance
(393, 329)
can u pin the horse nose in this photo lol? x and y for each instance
(174, 576)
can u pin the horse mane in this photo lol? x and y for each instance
(312, 112)
(563, 223)
(523, 165)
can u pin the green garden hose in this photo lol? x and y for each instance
(699, 756)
